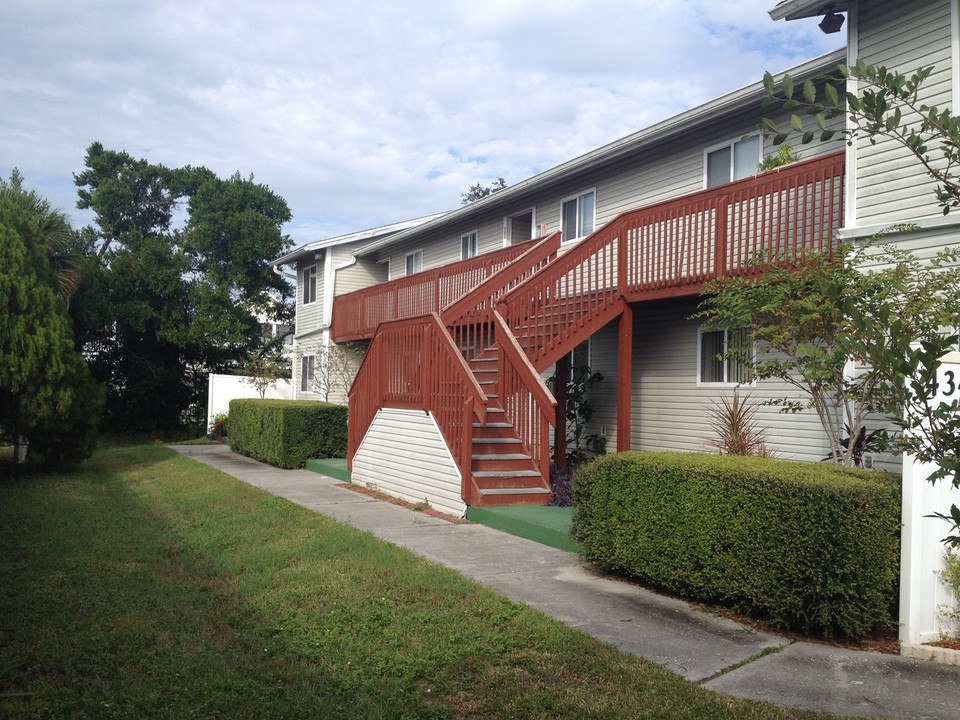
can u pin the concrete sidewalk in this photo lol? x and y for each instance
(719, 654)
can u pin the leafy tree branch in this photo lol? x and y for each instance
(888, 104)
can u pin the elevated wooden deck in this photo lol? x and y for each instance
(471, 351)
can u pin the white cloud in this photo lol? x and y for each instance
(365, 113)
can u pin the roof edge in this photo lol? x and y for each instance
(611, 151)
(354, 237)
(797, 9)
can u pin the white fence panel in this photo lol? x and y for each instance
(221, 389)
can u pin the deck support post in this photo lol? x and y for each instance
(561, 377)
(624, 378)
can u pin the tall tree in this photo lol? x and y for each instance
(55, 231)
(478, 191)
(47, 395)
(183, 265)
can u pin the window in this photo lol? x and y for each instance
(285, 332)
(577, 215)
(733, 161)
(580, 355)
(307, 367)
(468, 245)
(414, 262)
(713, 368)
(309, 285)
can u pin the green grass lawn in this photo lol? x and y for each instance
(145, 585)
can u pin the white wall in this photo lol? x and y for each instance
(923, 595)
(221, 389)
(404, 455)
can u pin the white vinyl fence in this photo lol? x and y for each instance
(221, 389)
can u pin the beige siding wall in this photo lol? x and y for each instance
(657, 175)
(603, 395)
(891, 185)
(403, 455)
(443, 248)
(670, 412)
(309, 316)
(359, 273)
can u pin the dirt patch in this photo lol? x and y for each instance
(416, 507)
(949, 643)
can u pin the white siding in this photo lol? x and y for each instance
(404, 455)
(670, 412)
(603, 395)
(891, 185)
(352, 273)
(309, 316)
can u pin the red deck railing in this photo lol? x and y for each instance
(546, 304)
(356, 315)
(413, 364)
(469, 318)
(527, 403)
(674, 248)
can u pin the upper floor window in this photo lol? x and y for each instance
(578, 215)
(414, 262)
(468, 245)
(733, 161)
(310, 285)
(721, 358)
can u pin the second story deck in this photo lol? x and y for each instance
(670, 249)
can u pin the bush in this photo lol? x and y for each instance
(561, 485)
(950, 575)
(218, 428)
(286, 433)
(808, 547)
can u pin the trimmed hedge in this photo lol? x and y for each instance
(807, 547)
(286, 433)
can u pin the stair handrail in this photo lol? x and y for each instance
(598, 252)
(610, 250)
(381, 374)
(504, 280)
(511, 357)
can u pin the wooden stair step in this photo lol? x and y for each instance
(515, 491)
(500, 474)
(513, 496)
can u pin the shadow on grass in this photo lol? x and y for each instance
(147, 585)
(111, 613)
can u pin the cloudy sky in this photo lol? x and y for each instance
(364, 112)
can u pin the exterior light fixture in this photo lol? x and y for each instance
(832, 21)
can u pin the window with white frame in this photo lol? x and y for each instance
(309, 285)
(414, 262)
(732, 161)
(577, 215)
(468, 245)
(307, 372)
(724, 357)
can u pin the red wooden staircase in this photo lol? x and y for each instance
(476, 362)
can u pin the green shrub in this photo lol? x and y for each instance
(286, 433)
(219, 427)
(808, 547)
(950, 575)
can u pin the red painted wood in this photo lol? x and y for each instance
(413, 364)
(356, 315)
(546, 305)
